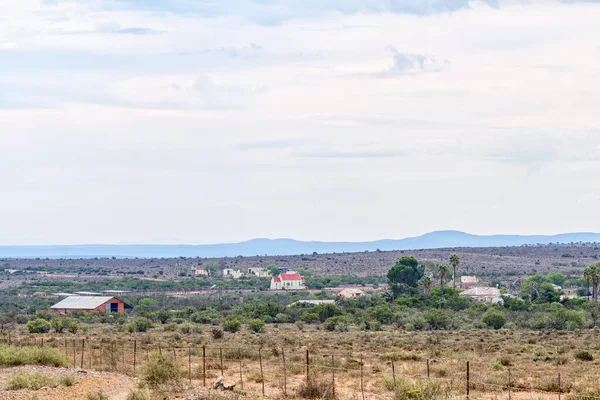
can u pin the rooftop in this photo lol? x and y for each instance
(82, 302)
(481, 291)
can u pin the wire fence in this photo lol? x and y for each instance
(281, 372)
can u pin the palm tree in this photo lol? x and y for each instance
(587, 275)
(595, 275)
(454, 261)
(427, 283)
(442, 271)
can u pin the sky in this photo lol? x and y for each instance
(208, 121)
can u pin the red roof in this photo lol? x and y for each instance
(290, 277)
(275, 279)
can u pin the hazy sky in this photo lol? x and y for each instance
(156, 121)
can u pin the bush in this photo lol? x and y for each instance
(11, 356)
(60, 324)
(160, 370)
(217, 333)
(38, 326)
(437, 319)
(98, 395)
(494, 319)
(256, 325)
(232, 324)
(310, 318)
(139, 324)
(335, 323)
(29, 380)
(418, 390)
(583, 355)
(314, 388)
(138, 395)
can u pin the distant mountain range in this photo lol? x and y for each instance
(271, 247)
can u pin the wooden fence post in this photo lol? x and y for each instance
(74, 354)
(307, 365)
(82, 352)
(333, 375)
(134, 354)
(190, 363)
(428, 372)
(284, 373)
(42, 345)
(509, 395)
(221, 357)
(394, 373)
(204, 364)
(241, 377)
(468, 380)
(66, 348)
(559, 390)
(362, 386)
(262, 378)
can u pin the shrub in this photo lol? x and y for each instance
(310, 318)
(217, 333)
(494, 319)
(98, 395)
(138, 395)
(38, 325)
(160, 370)
(335, 323)
(60, 324)
(437, 319)
(506, 361)
(583, 355)
(186, 329)
(11, 356)
(29, 380)
(140, 324)
(232, 324)
(68, 380)
(256, 325)
(418, 390)
(314, 388)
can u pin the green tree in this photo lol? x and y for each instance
(405, 273)
(587, 275)
(454, 261)
(494, 319)
(232, 324)
(256, 325)
(326, 311)
(427, 283)
(556, 277)
(273, 270)
(38, 325)
(442, 271)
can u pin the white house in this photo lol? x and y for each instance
(287, 281)
(258, 271)
(232, 273)
(200, 272)
(484, 295)
(350, 293)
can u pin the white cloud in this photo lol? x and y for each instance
(211, 125)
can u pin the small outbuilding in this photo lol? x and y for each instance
(351, 293)
(484, 295)
(107, 304)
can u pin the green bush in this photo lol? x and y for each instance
(309, 318)
(38, 325)
(11, 356)
(437, 319)
(29, 380)
(217, 333)
(139, 324)
(335, 323)
(160, 370)
(232, 324)
(96, 395)
(62, 324)
(494, 319)
(256, 325)
(583, 355)
(419, 390)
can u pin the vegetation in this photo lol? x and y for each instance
(11, 356)
(36, 381)
(160, 370)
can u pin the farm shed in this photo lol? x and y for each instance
(89, 304)
(350, 293)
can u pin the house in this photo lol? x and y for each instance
(350, 293)
(87, 294)
(467, 282)
(258, 271)
(89, 304)
(287, 281)
(200, 272)
(232, 273)
(484, 295)
(313, 302)
(40, 294)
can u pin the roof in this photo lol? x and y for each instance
(82, 302)
(276, 279)
(290, 277)
(352, 290)
(468, 279)
(88, 293)
(314, 302)
(482, 291)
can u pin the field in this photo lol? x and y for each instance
(436, 360)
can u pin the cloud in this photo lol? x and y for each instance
(365, 154)
(411, 64)
(275, 144)
(136, 31)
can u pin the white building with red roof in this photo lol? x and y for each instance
(287, 281)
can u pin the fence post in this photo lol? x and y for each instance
(362, 386)
(468, 380)
(394, 373)
(66, 348)
(190, 363)
(74, 354)
(221, 357)
(204, 364)
(134, 354)
(174, 355)
(82, 352)
(42, 342)
(241, 377)
(284, 373)
(559, 390)
(509, 384)
(307, 365)
(333, 375)
(262, 378)
(428, 368)
(101, 351)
